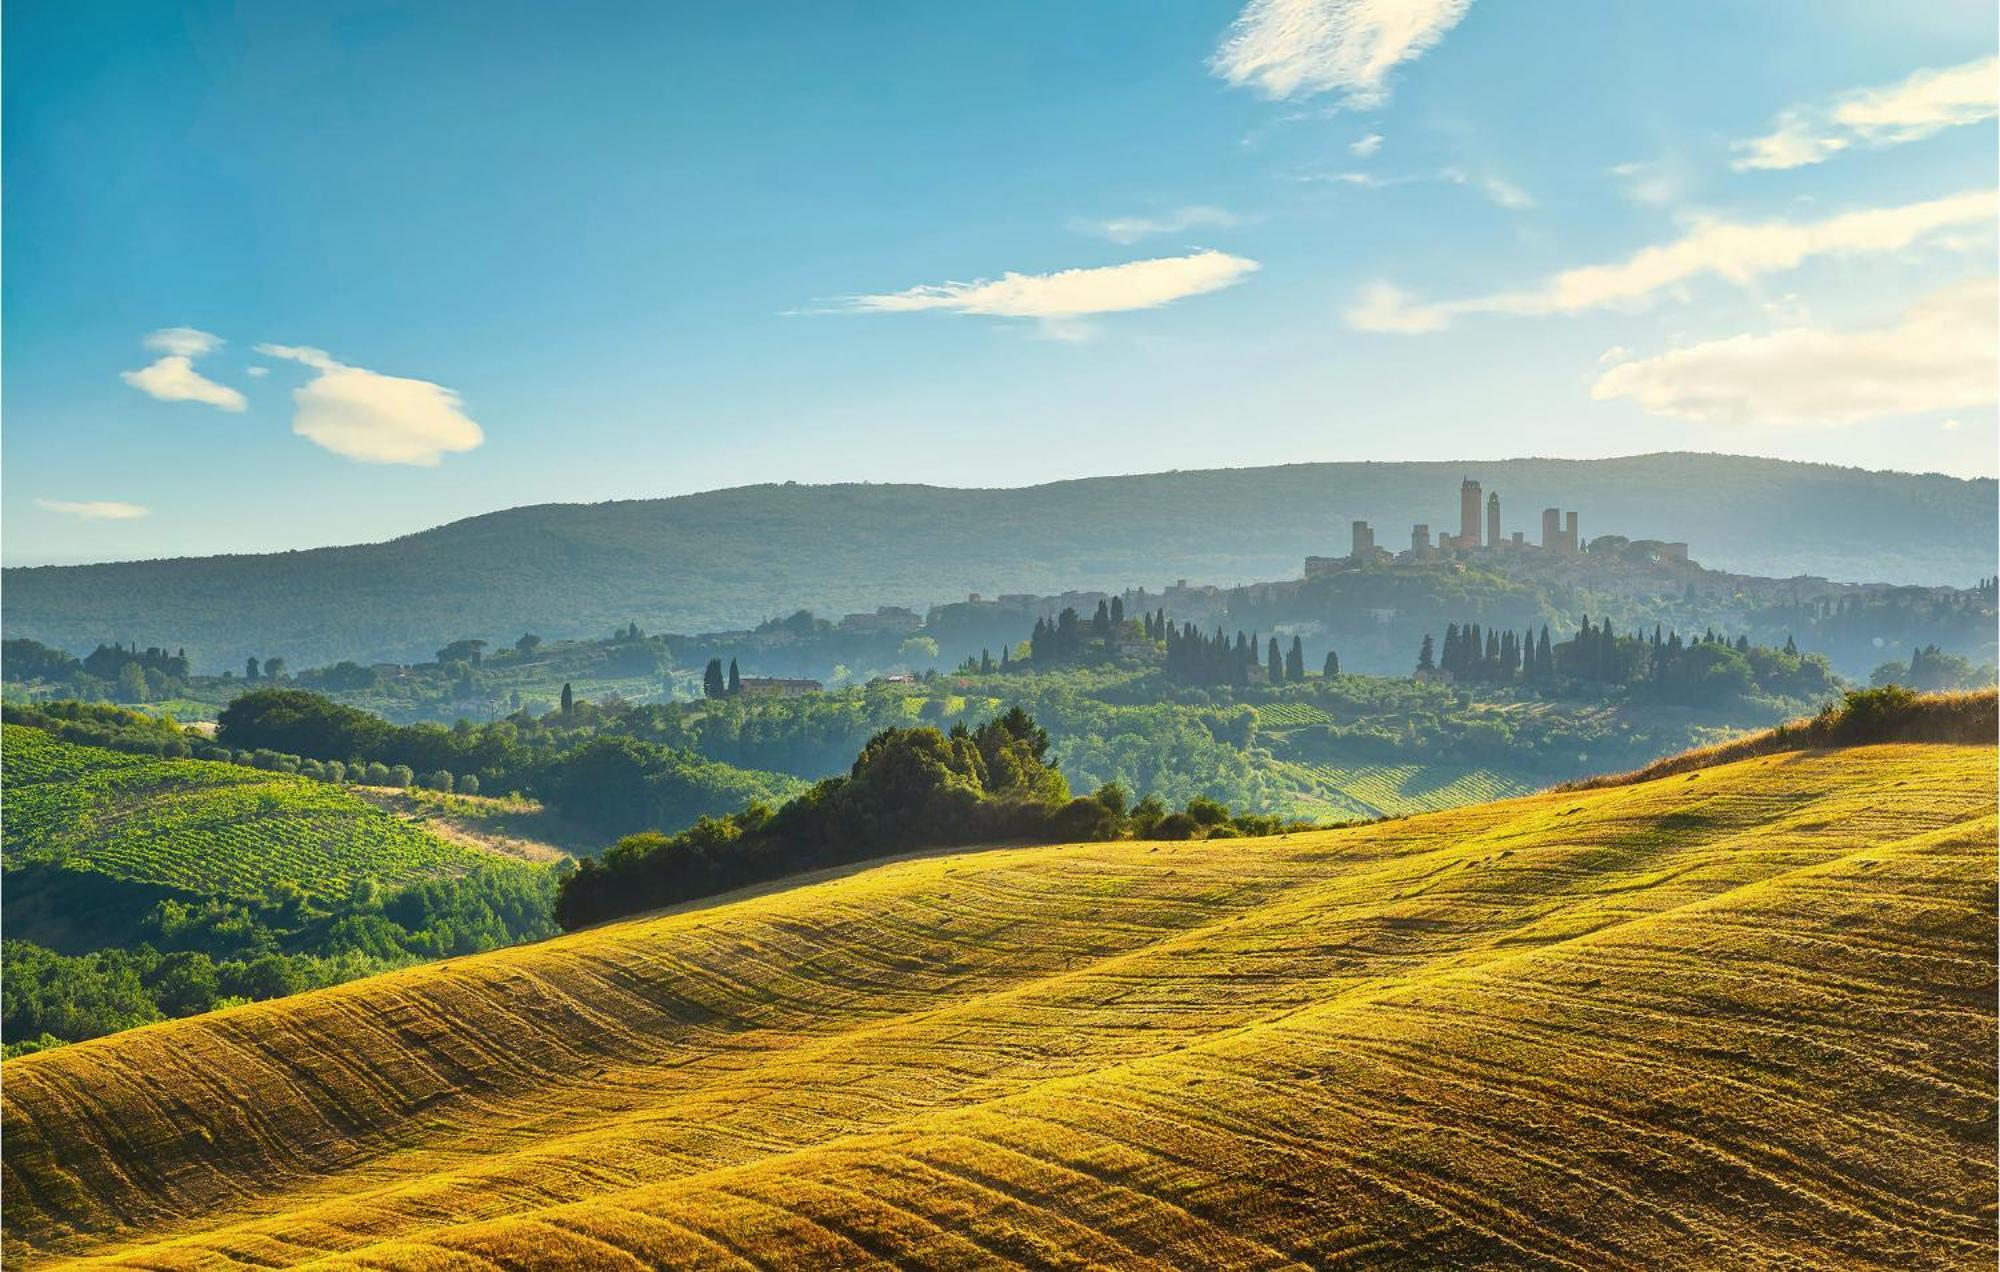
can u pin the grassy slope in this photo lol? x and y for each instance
(732, 557)
(204, 827)
(1724, 1019)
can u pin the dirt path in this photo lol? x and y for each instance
(502, 830)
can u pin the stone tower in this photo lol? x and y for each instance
(1493, 520)
(1552, 529)
(1468, 513)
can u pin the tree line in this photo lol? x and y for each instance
(1708, 668)
(909, 788)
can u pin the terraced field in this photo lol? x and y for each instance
(1737, 1018)
(203, 827)
(1338, 791)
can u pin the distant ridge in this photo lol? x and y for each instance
(729, 558)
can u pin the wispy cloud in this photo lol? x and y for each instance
(1366, 146)
(1500, 191)
(380, 419)
(1296, 48)
(1130, 229)
(1733, 251)
(1927, 102)
(172, 377)
(1939, 357)
(93, 509)
(1496, 190)
(1655, 184)
(1069, 294)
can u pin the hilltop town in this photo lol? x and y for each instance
(1479, 534)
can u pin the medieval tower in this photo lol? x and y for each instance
(1468, 514)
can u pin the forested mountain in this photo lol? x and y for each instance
(731, 557)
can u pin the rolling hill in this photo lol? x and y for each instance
(203, 828)
(730, 558)
(1740, 1016)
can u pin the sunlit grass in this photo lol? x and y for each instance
(1743, 1017)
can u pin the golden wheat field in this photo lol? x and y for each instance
(1736, 1018)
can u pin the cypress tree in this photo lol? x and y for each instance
(735, 679)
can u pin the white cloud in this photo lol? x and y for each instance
(93, 509)
(1366, 146)
(256, 373)
(1071, 293)
(185, 341)
(1734, 251)
(1295, 48)
(1497, 190)
(1130, 229)
(1927, 102)
(1952, 426)
(172, 377)
(381, 419)
(1939, 357)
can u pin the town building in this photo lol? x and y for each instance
(1364, 542)
(1468, 513)
(1493, 519)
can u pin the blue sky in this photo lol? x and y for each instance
(286, 275)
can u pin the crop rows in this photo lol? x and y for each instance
(1742, 1019)
(1291, 715)
(204, 827)
(1393, 790)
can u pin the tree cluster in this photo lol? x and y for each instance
(1706, 669)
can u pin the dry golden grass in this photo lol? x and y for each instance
(1970, 717)
(1739, 1018)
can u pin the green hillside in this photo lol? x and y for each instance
(204, 828)
(732, 557)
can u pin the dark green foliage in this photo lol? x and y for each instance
(620, 785)
(909, 788)
(31, 660)
(192, 955)
(1708, 670)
